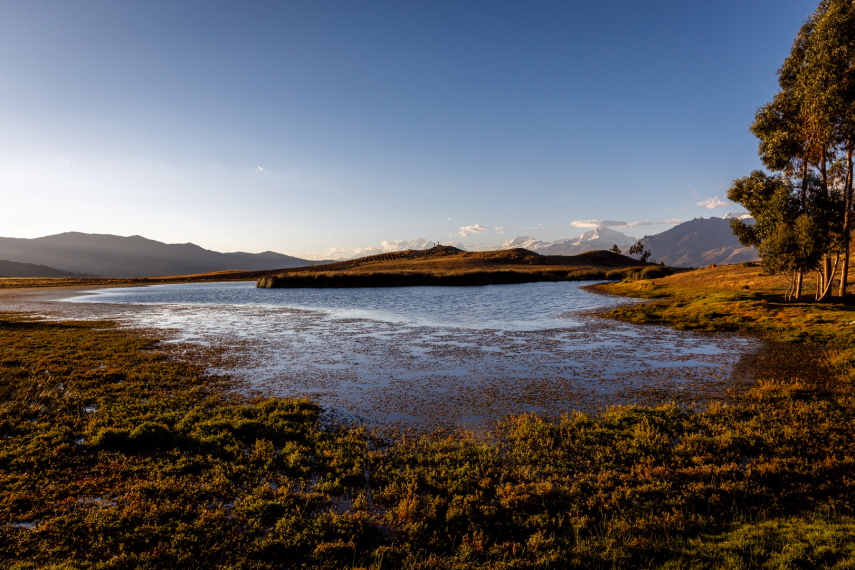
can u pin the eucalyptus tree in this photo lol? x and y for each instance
(807, 137)
(786, 236)
(826, 85)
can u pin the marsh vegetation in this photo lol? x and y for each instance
(116, 456)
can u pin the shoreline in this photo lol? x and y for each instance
(495, 375)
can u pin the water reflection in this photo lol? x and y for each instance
(432, 356)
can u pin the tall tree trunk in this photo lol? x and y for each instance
(826, 276)
(797, 293)
(847, 222)
(819, 276)
(791, 281)
(803, 193)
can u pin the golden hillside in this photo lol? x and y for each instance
(444, 265)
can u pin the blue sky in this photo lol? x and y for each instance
(313, 126)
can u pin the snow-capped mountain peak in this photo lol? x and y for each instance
(738, 216)
(602, 233)
(596, 238)
(525, 242)
(404, 245)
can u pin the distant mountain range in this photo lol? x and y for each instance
(135, 256)
(15, 269)
(419, 244)
(592, 240)
(699, 242)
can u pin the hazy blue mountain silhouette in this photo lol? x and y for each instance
(16, 269)
(698, 242)
(135, 256)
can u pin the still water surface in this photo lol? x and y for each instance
(429, 357)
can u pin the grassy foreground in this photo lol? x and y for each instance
(113, 455)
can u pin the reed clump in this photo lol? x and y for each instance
(446, 279)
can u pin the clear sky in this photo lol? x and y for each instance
(307, 126)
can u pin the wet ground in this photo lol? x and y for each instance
(428, 373)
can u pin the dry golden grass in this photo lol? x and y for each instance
(730, 277)
(443, 265)
(738, 298)
(451, 259)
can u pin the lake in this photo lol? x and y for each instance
(429, 357)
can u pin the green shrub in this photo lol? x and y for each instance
(149, 436)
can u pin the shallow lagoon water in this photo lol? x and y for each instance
(428, 357)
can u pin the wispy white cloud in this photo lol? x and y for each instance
(340, 253)
(597, 223)
(634, 225)
(499, 230)
(384, 247)
(72, 162)
(672, 222)
(471, 230)
(331, 253)
(260, 169)
(712, 203)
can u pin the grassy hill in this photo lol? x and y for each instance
(18, 269)
(444, 265)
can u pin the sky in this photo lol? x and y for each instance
(317, 128)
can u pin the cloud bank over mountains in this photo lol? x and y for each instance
(620, 224)
(712, 203)
(466, 231)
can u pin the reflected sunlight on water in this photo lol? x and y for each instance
(432, 356)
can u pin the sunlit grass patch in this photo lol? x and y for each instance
(715, 300)
(798, 542)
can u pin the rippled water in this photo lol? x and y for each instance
(432, 356)
(533, 306)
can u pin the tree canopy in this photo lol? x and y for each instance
(803, 207)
